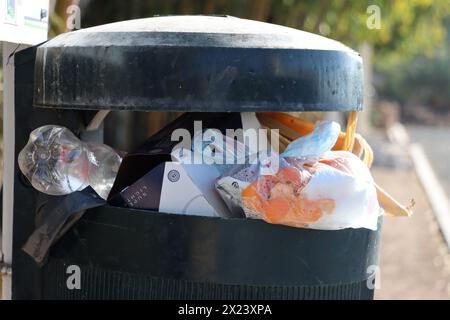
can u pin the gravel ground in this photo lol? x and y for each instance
(414, 260)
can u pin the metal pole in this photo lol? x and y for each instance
(8, 163)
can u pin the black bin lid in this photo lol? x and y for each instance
(197, 63)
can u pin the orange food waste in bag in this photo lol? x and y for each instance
(279, 201)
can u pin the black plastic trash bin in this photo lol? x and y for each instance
(186, 63)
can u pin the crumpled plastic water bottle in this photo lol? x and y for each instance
(56, 162)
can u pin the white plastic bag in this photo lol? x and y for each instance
(314, 187)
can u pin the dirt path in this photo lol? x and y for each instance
(415, 263)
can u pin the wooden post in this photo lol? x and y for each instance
(364, 118)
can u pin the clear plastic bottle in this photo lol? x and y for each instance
(56, 162)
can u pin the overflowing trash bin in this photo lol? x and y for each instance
(157, 222)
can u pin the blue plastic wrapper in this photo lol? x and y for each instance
(321, 140)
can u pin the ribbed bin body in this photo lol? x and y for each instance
(110, 285)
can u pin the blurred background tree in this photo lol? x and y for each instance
(407, 26)
(420, 83)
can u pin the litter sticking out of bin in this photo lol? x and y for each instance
(54, 216)
(164, 175)
(176, 188)
(314, 187)
(56, 162)
(292, 127)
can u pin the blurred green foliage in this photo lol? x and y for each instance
(423, 79)
(408, 27)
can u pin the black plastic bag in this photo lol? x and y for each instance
(55, 215)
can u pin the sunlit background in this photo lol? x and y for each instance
(405, 45)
